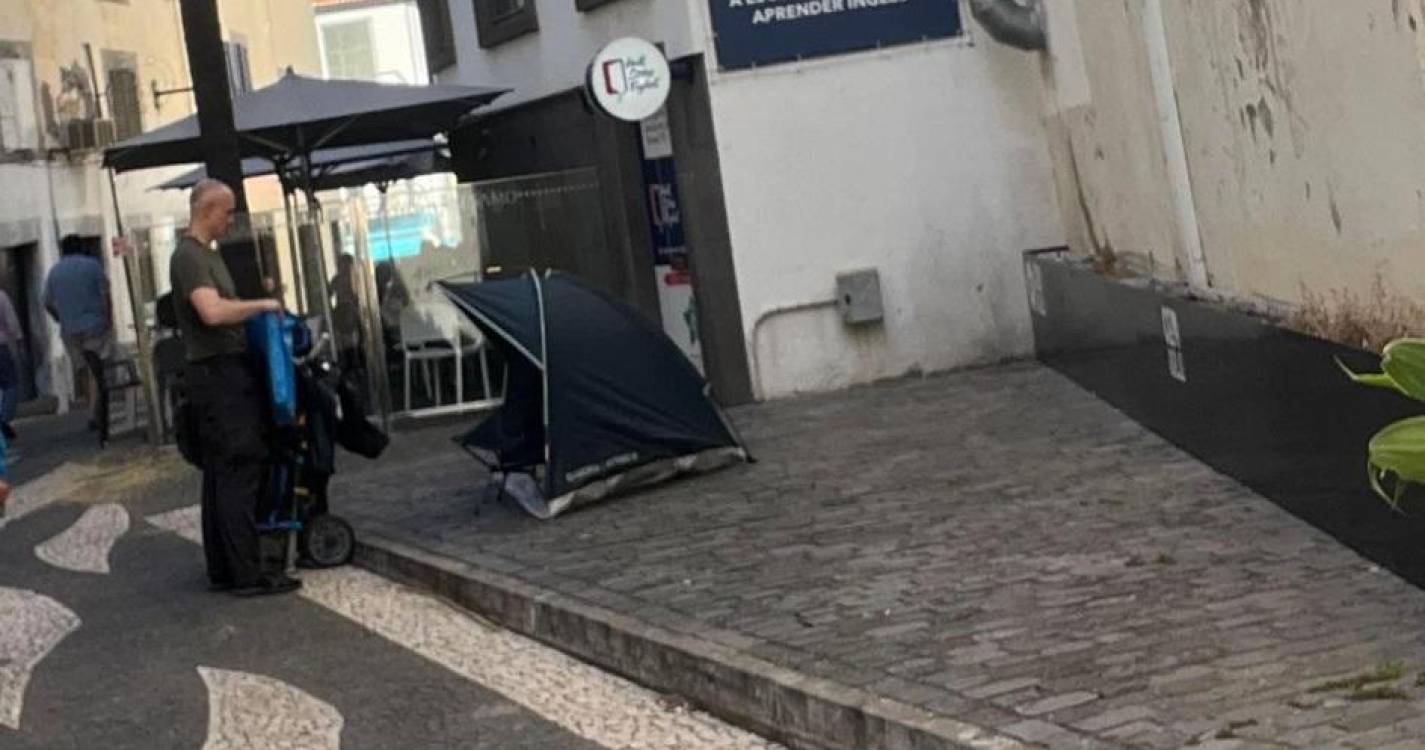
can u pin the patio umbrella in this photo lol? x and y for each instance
(289, 120)
(298, 115)
(352, 166)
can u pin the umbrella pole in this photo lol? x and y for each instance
(314, 213)
(141, 339)
(304, 305)
(382, 187)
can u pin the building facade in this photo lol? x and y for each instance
(371, 40)
(809, 141)
(77, 75)
(1289, 161)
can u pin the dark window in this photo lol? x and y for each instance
(590, 4)
(438, 35)
(499, 21)
(124, 107)
(239, 72)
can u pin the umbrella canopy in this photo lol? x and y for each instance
(352, 166)
(597, 399)
(298, 115)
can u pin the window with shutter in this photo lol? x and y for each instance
(584, 5)
(438, 35)
(18, 124)
(124, 107)
(239, 74)
(499, 21)
(349, 50)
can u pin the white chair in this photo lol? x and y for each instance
(457, 331)
(423, 342)
(430, 334)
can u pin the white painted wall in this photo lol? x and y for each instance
(927, 162)
(395, 37)
(555, 58)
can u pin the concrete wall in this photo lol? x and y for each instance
(554, 59)
(1301, 122)
(1101, 123)
(1304, 127)
(396, 41)
(926, 162)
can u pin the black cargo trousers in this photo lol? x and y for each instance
(232, 430)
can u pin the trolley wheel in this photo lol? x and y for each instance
(327, 541)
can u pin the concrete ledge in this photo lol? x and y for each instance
(802, 712)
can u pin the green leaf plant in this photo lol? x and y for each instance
(1396, 455)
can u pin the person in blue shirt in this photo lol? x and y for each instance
(77, 296)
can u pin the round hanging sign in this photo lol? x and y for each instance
(629, 79)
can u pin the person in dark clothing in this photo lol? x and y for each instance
(346, 314)
(227, 396)
(77, 297)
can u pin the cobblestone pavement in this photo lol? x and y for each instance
(996, 546)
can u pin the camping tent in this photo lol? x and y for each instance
(596, 399)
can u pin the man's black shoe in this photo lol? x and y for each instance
(269, 586)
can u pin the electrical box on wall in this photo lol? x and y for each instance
(858, 297)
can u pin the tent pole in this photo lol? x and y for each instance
(544, 377)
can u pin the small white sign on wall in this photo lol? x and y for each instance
(657, 138)
(1173, 337)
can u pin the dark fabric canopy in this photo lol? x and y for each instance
(300, 114)
(352, 166)
(594, 390)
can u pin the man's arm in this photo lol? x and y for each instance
(215, 311)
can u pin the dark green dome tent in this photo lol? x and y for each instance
(597, 400)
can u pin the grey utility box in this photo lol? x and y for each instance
(858, 297)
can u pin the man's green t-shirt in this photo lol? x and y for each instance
(194, 267)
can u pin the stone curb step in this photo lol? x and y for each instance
(802, 712)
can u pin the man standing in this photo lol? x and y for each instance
(77, 295)
(227, 396)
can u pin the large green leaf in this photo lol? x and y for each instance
(1398, 450)
(1404, 362)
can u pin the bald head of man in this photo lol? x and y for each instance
(210, 208)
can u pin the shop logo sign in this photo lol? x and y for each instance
(629, 79)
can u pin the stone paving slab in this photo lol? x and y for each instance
(995, 547)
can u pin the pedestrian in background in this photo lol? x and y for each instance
(77, 296)
(225, 391)
(346, 313)
(12, 336)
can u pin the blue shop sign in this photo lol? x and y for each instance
(761, 32)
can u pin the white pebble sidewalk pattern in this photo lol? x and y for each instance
(248, 711)
(85, 546)
(31, 625)
(595, 705)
